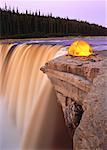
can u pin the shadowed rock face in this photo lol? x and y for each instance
(81, 85)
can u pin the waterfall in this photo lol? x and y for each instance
(29, 96)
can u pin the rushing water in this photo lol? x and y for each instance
(27, 96)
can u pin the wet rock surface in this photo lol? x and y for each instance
(81, 85)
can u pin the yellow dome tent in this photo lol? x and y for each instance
(80, 48)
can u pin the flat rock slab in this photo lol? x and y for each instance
(87, 67)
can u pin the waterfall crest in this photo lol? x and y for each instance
(29, 95)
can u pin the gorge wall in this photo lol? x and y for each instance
(81, 85)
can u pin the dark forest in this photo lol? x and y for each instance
(14, 24)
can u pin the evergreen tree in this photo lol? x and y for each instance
(30, 24)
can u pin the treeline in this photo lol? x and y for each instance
(21, 25)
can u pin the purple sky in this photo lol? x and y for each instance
(93, 11)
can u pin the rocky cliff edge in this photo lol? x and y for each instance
(81, 89)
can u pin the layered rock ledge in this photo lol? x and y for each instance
(81, 89)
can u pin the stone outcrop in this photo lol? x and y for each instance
(81, 85)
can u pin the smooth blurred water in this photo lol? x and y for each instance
(9, 136)
(31, 104)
